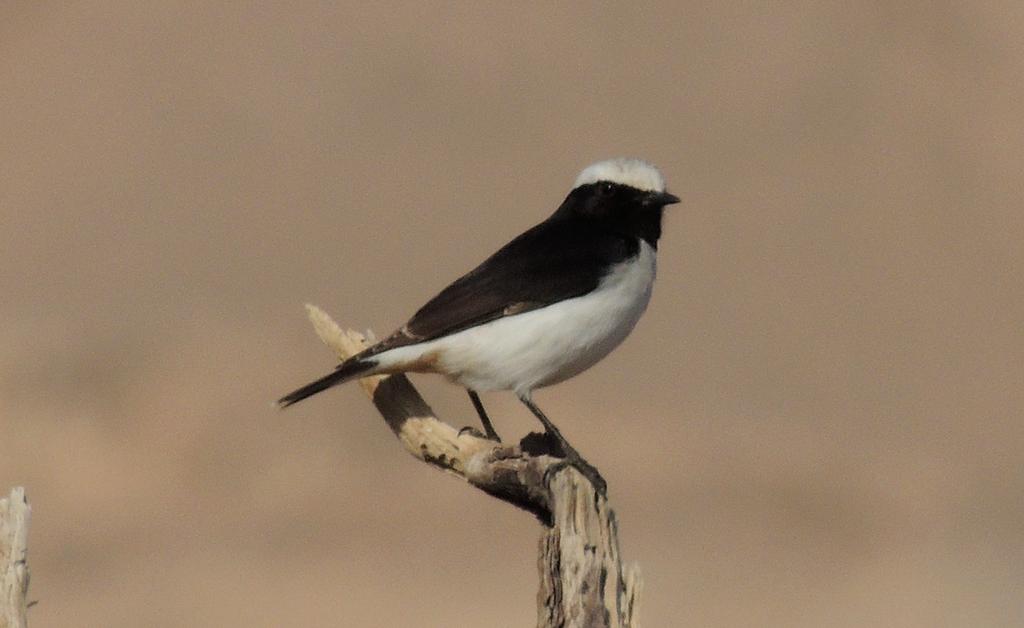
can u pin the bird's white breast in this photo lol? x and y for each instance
(547, 345)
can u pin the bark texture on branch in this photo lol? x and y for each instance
(14, 516)
(583, 582)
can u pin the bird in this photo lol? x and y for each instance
(544, 308)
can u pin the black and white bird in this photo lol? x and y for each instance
(547, 306)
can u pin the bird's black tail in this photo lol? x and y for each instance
(347, 370)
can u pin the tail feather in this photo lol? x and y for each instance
(347, 370)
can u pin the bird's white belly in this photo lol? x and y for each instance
(550, 344)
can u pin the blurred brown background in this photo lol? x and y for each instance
(818, 422)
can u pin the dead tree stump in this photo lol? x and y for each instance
(14, 516)
(582, 580)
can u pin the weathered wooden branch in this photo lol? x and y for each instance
(582, 580)
(14, 516)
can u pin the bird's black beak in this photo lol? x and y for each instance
(660, 199)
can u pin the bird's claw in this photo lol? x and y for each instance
(469, 429)
(585, 468)
(472, 431)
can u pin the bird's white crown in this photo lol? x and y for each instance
(635, 173)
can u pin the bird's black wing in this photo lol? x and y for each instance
(553, 261)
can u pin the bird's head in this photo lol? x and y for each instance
(623, 194)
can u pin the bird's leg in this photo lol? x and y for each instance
(572, 456)
(486, 420)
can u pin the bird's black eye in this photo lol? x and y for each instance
(606, 188)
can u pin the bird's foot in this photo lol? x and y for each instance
(475, 432)
(588, 470)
